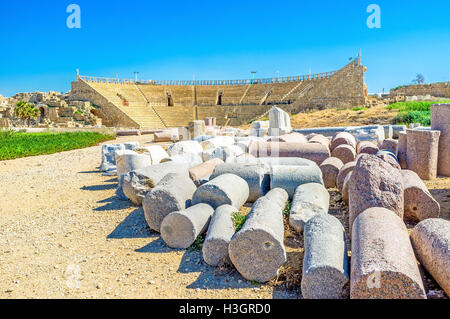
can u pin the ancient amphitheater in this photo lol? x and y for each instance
(159, 104)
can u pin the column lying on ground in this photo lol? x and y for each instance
(184, 147)
(291, 177)
(312, 151)
(226, 189)
(346, 153)
(173, 193)
(345, 196)
(419, 203)
(137, 183)
(383, 264)
(390, 145)
(257, 250)
(190, 159)
(440, 120)
(204, 169)
(289, 138)
(325, 265)
(180, 228)
(374, 183)
(156, 153)
(256, 175)
(216, 142)
(221, 230)
(109, 157)
(164, 136)
(330, 169)
(389, 158)
(290, 161)
(366, 147)
(227, 152)
(422, 152)
(320, 139)
(343, 173)
(127, 161)
(343, 138)
(309, 200)
(431, 242)
(402, 149)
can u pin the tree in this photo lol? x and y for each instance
(26, 111)
(420, 79)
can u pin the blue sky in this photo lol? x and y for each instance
(210, 40)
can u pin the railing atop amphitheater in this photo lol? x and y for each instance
(286, 79)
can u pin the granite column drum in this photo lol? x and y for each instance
(221, 230)
(422, 154)
(383, 263)
(257, 250)
(226, 189)
(343, 173)
(291, 177)
(180, 229)
(205, 169)
(127, 161)
(319, 138)
(330, 169)
(402, 149)
(325, 264)
(173, 193)
(440, 120)
(431, 242)
(343, 138)
(346, 153)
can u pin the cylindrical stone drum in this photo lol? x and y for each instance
(423, 150)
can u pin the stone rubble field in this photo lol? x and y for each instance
(335, 213)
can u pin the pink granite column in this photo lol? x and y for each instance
(422, 152)
(440, 120)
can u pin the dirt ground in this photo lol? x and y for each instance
(64, 234)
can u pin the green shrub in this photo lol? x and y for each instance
(359, 108)
(238, 220)
(198, 243)
(422, 117)
(287, 209)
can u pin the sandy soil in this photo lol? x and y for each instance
(64, 234)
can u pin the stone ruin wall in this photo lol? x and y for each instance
(441, 89)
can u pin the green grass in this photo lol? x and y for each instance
(238, 220)
(198, 243)
(413, 112)
(361, 108)
(287, 209)
(20, 144)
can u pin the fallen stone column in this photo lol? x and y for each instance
(257, 250)
(289, 161)
(440, 120)
(383, 263)
(164, 136)
(419, 203)
(325, 265)
(347, 168)
(289, 138)
(290, 177)
(309, 200)
(137, 183)
(366, 147)
(346, 153)
(389, 158)
(126, 162)
(109, 157)
(221, 230)
(204, 169)
(226, 189)
(190, 159)
(423, 149)
(374, 183)
(431, 241)
(184, 147)
(343, 138)
(402, 149)
(173, 193)
(216, 142)
(242, 159)
(180, 228)
(127, 132)
(227, 152)
(131, 145)
(256, 175)
(390, 145)
(319, 138)
(345, 196)
(156, 153)
(312, 151)
(330, 169)
(203, 138)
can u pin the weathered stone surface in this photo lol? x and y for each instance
(373, 133)
(440, 120)
(390, 145)
(345, 196)
(221, 230)
(330, 169)
(204, 169)
(343, 173)
(180, 228)
(402, 149)
(374, 183)
(319, 138)
(109, 157)
(279, 122)
(257, 250)
(165, 136)
(289, 138)
(156, 153)
(242, 159)
(366, 147)
(197, 128)
(190, 159)
(290, 177)
(383, 263)
(225, 189)
(210, 121)
(325, 265)
(388, 131)
(173, 193)
(256, 175)
(309, 200)
(289, 161)
(127, 161)
(343, 138)
(312, 151)
(389, 158)
(419, 203)
(346, 153)
(227, 152)
(184, 147)
(131, 145)
(422, 152)
(431, 242)
(397, 129)
(216, 142)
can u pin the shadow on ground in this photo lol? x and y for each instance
(133, 226)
